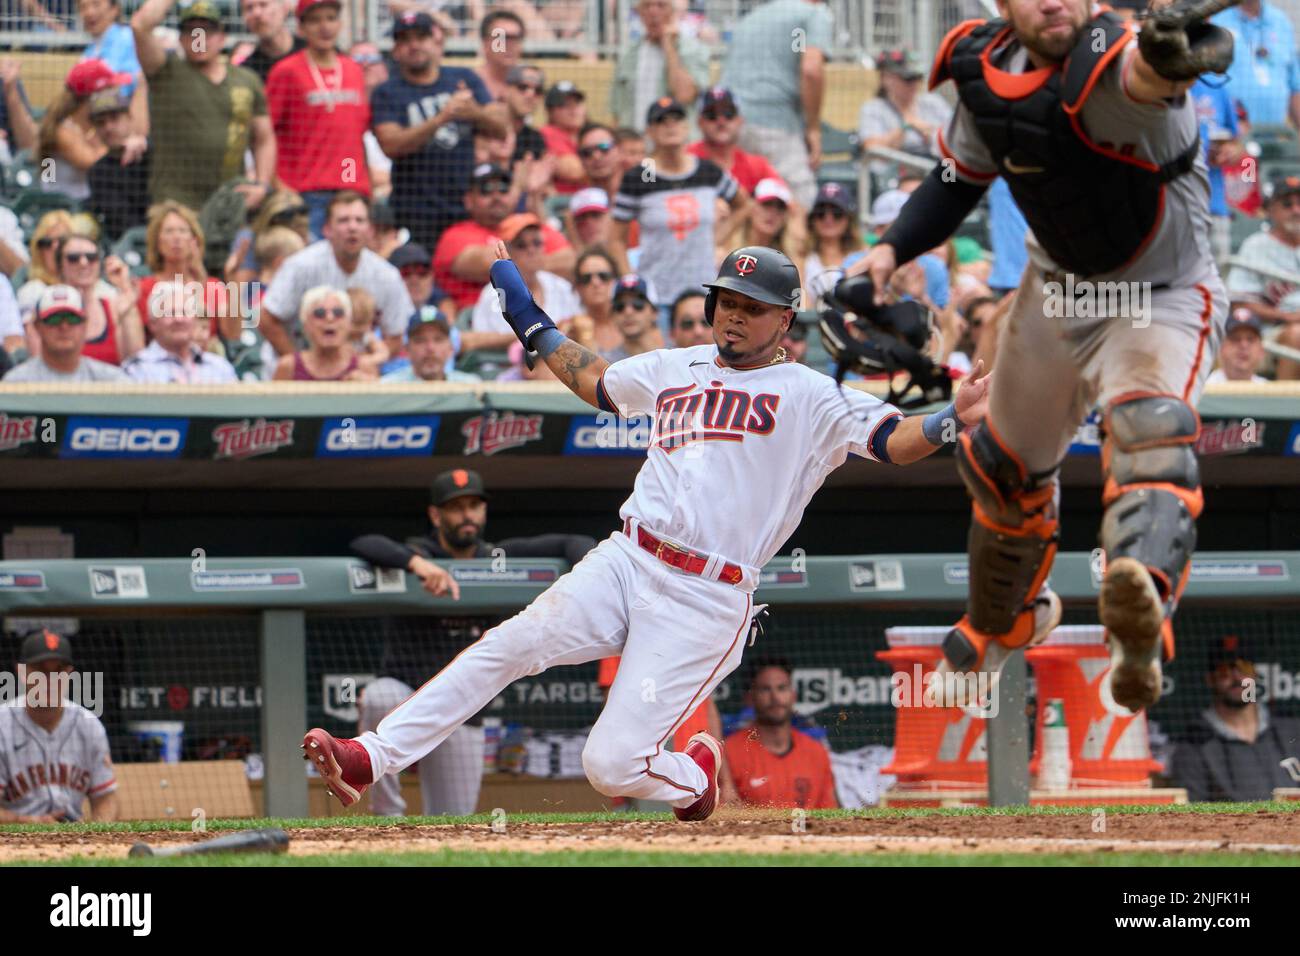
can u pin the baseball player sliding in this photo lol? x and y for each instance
(1120, 306)
(741, 441)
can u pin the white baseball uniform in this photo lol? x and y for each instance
(735, 456)
(52, 772)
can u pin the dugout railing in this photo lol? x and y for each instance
(249, 653)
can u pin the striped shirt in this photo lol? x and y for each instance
(677, 214)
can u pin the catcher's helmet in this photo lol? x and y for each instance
(758, 272)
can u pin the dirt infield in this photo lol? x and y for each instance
(742, 831)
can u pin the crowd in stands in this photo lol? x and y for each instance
(281, 209)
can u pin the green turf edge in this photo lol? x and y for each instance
(143, 826)
(592, 858)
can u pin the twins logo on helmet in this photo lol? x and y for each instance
(758, 272)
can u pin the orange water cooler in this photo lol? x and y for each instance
(935, 748)
(1108, 744)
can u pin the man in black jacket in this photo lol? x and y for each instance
(1241, 751)
(451, 774)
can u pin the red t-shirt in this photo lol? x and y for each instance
(319, 118)
(748, 169)
(800, 778)
(456, 239)
(562, 143)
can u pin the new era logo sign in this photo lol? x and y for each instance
(118, 582)
(102, 583)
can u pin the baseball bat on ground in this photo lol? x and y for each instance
(268, 840)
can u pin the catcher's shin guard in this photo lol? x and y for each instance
(1152, 498)
(1012, 543)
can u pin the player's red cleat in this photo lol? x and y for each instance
(343, 764)
(706, 751)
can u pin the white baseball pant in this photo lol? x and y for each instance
(451, 775)
(679, 635)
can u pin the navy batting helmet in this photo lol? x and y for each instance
(758, 272)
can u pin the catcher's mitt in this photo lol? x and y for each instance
(1179, 44)
(884, 339)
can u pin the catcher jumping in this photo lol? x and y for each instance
(1121, 306)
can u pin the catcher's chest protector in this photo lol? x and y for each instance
(1091, 208)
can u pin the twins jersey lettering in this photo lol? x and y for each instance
(723, 438)
(52, 772)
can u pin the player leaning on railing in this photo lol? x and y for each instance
(741, 441)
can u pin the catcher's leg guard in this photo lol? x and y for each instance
(1152, 497)
(1012, 543)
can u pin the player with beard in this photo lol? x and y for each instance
(450, 775)
(1240, 750)
(772, 764)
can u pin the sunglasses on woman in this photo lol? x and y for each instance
(285, 216)
(587, 278)
(527, 88)
(79, 257)
(321, 312)
(46, 242)
(595, 149)
(622, 305)
(823, 211)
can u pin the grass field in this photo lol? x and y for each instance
(1118, 836)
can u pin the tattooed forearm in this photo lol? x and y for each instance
(578, 368)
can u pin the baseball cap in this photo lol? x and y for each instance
(412, 20)
(1242, 318)
(457, 483)
(886, 207)
(664, 106)
(45, 646)
(559, 94)
(305, 5)
(91, 76)
(1280, 186)
(1227, 650)
(969, 250)
(631, 284)
(485, 171)
(591, 199)
(771, 188)
(114, 99)
(512, 226)
(834, 194)
(522, 73)
(410, 254)
(718, 96)
(59, 300)
(427, 316)
(200, 10)
(901, 63)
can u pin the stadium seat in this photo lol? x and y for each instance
(1275, 142)
(1243, 227)
(485, 363)
(133, 248)
(841, 155)
(32, 203)
(556, 206)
